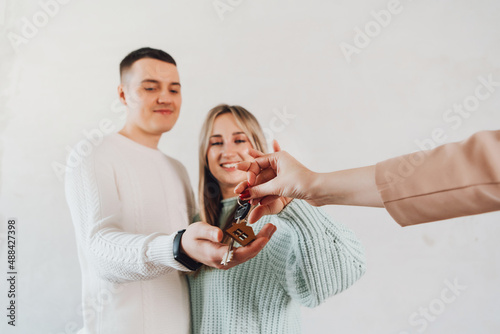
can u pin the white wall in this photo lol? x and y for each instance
(269, 56)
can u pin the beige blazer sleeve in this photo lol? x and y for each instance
(452, 180)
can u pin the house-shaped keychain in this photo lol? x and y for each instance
(241, 233)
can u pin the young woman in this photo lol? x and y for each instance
(309, 258)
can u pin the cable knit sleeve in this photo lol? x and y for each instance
(113, 254)
(313, 256)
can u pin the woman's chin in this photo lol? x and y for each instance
(231, 183)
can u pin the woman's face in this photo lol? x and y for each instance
(226, 147)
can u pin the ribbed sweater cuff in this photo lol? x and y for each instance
(161, 251)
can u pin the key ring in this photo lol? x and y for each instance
(241, 204)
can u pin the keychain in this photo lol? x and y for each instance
(239, 231)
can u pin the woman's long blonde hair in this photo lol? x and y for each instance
(209, 193)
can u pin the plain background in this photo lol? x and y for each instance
(274, 58)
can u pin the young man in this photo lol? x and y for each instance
(128, 201)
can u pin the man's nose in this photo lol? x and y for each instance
(165, 97)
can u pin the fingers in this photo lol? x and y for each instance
(212, 252)
(260, 162)
(204, 231)
(276, 146)
(266, 189)
(201, 242)
(243, 254)
(240, 187)
(258, 213)
(268, 199)
(251, 168)
(255, 153)
(264, 176)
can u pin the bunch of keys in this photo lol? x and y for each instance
(239, 231)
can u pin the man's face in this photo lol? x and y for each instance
(151, 89)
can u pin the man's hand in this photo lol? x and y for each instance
(202, 242)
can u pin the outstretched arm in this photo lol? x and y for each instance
(280, 175)
(453, 180)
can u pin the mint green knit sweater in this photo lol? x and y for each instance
(309, 258)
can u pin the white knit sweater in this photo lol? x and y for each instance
(127, 202)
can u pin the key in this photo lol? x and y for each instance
(229, 254)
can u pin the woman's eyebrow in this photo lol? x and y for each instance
(234, 134)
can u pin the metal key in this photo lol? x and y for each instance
(229, 254)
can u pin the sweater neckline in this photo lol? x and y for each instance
(229, 201)
(133, 144)
(227, 208)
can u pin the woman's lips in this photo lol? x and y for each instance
(164, 111)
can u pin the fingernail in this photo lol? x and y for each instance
(245, 194)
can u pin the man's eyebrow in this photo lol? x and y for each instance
(150, 80)
(157, 82)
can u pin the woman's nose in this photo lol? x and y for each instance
(228, 150)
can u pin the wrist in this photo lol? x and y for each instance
(321, 189)
(181, 256)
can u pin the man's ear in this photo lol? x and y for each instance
(121, 94)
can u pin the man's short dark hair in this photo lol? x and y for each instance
(134, 56)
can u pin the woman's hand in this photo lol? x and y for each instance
(280, 175)
(258, 176)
